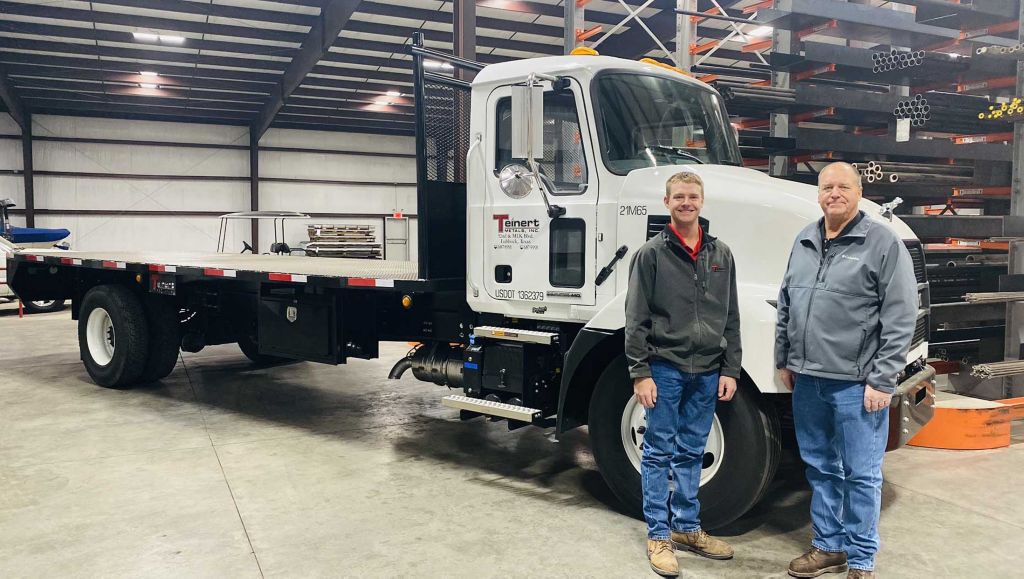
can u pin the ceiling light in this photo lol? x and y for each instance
(761, 31)
(145, 37)
(147, 85)
(172, 39)
(437, 65)
(394, 93)
(148, 73)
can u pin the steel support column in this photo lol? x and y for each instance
(254, 187)
(464, 27)
(783, 42)
(574, 20)
(1017, 195)
(27, 171)
(686, 34)
(1014, 336)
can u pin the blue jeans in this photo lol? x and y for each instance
(842, 445)
(677, 430)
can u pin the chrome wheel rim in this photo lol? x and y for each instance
(634, 424)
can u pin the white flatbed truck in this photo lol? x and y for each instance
(536, 183)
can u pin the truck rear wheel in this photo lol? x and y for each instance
(740, 460)
(44, 306)
(164, 325)
(113, 336)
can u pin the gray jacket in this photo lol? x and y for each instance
(848, 315)
(680, 311)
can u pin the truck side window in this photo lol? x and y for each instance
(568, 248)
(564, 162)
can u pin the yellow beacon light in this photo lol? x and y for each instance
(584, 51)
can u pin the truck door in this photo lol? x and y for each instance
(529, 257)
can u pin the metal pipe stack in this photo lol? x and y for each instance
(916, 109)
(891, 172)
(994, 297)
(896, 59)
(998, 369)
(952, 112)
(731, 90)
(1016, 51)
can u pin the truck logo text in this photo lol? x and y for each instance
(505, 223)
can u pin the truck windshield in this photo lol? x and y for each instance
(648, 121)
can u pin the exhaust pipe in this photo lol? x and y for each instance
(437, 362)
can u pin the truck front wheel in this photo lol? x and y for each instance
(740, 459)
(113, 336)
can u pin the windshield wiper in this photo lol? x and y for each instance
(675, 151)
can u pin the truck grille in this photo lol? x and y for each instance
(921, 275)
(656, 223)
(917, 256)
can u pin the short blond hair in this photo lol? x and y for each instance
(682, 178)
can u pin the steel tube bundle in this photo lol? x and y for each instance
(994, 297)
(998, 369)
(929, 178)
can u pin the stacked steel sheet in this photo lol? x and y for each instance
(351, 241)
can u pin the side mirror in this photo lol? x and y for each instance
(528, 122)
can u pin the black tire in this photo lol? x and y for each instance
(164, 337)
(130, 332)
(751, 455)
(251, 350)
(44, 306)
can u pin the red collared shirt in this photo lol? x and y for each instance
(696, 249)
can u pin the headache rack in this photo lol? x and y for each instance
(442, 94)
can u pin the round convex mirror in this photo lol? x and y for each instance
(516, 181)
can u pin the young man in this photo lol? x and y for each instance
(683, 348)
(846, 314)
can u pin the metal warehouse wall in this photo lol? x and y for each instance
(115, 186)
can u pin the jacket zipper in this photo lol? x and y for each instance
(860, 351)
(810, 302)
(696, 307)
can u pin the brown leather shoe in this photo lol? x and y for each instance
(663, 558)
(817, 562)
(860, 574)
(702, 544)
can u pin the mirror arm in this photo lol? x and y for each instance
(554, 211)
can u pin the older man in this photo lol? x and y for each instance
(846, 316)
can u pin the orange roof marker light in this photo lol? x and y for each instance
(584, 51)
(663, 65)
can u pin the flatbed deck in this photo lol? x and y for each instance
(332, 272)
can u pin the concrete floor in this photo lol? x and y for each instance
(304, 470)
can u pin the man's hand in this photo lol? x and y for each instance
(646, 392)
(875, 400)
(726, 388)
(786, 376)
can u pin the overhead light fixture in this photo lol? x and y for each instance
(147, 85)
(161, 38)
(761, 31)
(393, 93)
(148, 73)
